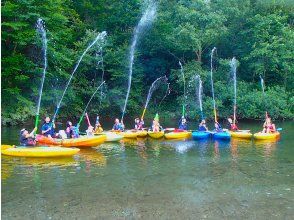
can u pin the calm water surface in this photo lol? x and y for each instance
(154, 179)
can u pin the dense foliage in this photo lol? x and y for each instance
(258, 33)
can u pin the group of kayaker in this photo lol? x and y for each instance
(48, 128)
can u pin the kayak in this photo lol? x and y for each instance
(223, 135)
(266, 136)
(82, 141)
(112, 137)
(141, 133)
(156, 135)
(37, 151)
(241, 134)
(177, 135)
(200, 135)
(41, 139)
(129, 134)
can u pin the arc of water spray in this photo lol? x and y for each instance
(84, 112)
(152, 88)
(99, 37)
(41, 30)
(146, 19)
(233, 65)
(166, 94)
(199, 94)
(212, 87)
(263, 93)
(184, 81)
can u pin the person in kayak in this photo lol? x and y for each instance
(202, 126)
(156, 127)
(98, 128)
(218, 127)
(71, 131)
(183, 124)
(231, 126)
(48, 128)
(268, 126)
(26, 138)
(139, 124)
(117, 125)
(90, 131)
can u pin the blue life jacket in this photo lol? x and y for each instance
(45, 127)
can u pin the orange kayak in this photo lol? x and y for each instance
(83, 141)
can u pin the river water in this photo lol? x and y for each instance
(155, 179)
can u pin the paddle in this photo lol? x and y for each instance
(279, 129)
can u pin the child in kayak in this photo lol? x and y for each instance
(90, 131)
(48, 128)
(26, 138)
(71, 131)
(139, 124)
(98, 128)
(231, 126)
(156, 127)
(183, 124)
(117, 125)
(218, 127)
(202, 126)
(268, 126)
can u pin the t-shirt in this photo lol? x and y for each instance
(45, 127)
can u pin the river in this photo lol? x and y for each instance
(155, 179)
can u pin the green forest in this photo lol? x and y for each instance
(258, 33)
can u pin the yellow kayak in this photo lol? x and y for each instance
(142, 133)
(84, 141)
(11, 150)
(156, 135)
(241, 134)
(266, 136)
(129, 134)
(178, 135)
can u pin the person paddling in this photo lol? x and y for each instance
(268, 126)
(183, 124)
(26, 138)
(48, 128)
(231, 126)
(202, 126)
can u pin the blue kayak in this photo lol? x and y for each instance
(222, 135)
(200, 135)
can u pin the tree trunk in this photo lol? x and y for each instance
(198, 55)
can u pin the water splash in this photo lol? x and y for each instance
(211, 80)
(155, 85)
(81, 118)
(100, 37)
(233, 65)
(165, 95)
(184, 81)
(41, 30)
(199, 92)
(263, 93)
(262, 85)
(146, 19)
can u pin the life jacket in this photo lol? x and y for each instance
(27, 141)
